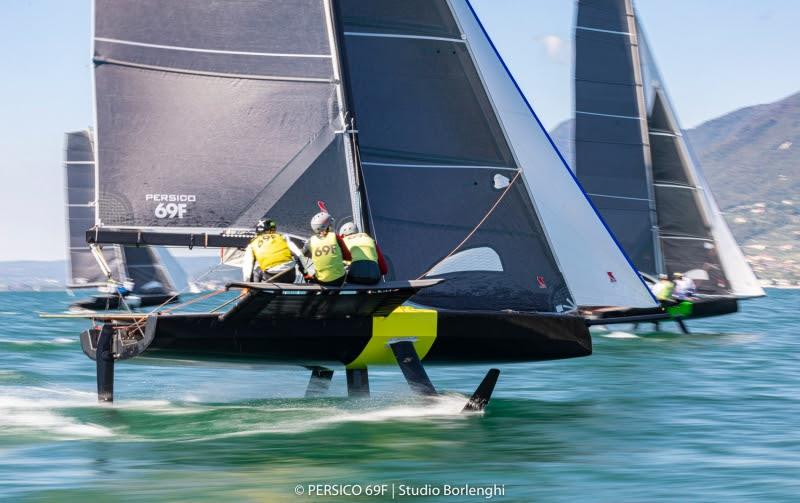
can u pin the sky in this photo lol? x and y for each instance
(715, 56)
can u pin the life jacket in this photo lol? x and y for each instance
(270, 250)
(362, 247)
(664, 290)
(326, 257)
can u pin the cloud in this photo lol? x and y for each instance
(557, 48)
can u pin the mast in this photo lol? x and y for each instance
(357, 188)
(612, 151)
(648, 159)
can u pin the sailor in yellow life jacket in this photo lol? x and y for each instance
(270, 255)
(368, 264)
(326, 251)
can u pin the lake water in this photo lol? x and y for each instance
(714, 416)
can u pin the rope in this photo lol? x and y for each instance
(196, 299)
(475, 229)
(229, 301)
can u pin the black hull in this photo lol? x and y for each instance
(697, 308)
(461, 337)
(108, 302)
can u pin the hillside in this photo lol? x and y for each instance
(751, 159)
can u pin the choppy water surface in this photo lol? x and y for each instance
(714, 416)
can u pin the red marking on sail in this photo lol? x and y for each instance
(322, 206)
(540, 280)
(611, 277)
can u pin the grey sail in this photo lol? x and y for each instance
(434, 161)
(145, 270)
(211, 114)
(141, 266)
(612, 156)
(79, 169)
(617, 84)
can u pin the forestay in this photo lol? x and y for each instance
(211, 114)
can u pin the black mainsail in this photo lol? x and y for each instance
(210, 114)
(632, 158)
(137, 265)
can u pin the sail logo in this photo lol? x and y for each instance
(171, 205)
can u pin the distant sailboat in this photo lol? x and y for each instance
(148, 280)
(401, 117)
(633, 161)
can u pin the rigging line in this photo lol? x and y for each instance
(245, 291)
(182, 290)
(475, 229)
(196, 299)
(229, 301)
(144, 316)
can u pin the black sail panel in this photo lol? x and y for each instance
(687, 240)
(435, 161)
(209, 112)
(83, 271)
(611, 150)
(145, 270)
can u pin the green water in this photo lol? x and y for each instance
(714, 416)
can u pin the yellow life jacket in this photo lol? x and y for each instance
(270, 250)
(664, 290)
(326, 257)
(362, 247)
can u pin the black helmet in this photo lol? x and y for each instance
(265, 224)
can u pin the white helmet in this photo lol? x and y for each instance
(321, 221)
(348, 228)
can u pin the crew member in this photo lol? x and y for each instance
(327, 252)
(368, 264)
(663, 289)
(270, 256)
(684, 286)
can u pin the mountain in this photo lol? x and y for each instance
(751, 159)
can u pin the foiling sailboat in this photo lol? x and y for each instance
(140, 268)
(400, 116)
(633, 160)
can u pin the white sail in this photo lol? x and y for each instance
(596, 270)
